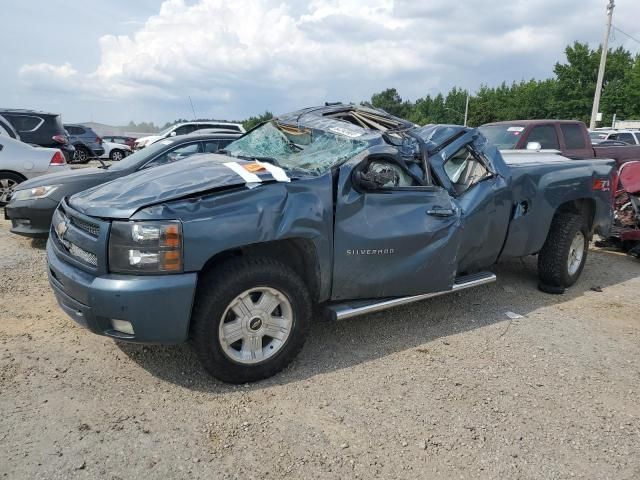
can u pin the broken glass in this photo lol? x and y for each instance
(310, 151)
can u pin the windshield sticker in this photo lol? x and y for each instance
(515, 129)
(346, 132)
(166, 142)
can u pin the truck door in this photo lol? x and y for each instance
(392, 241)
(476, 177)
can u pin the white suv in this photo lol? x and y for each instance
(632, 137)
(186, 128)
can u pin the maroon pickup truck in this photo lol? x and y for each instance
(568, 136)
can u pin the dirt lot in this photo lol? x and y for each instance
(445, 388)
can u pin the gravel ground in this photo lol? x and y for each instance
(449, 387)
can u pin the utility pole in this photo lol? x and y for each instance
(603, 63)
(193, 109)
(466, 110)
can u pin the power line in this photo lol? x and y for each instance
(625, 33)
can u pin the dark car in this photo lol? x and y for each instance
(7, 129)
(342, 209)
(40, 128)
(33, 203)
(86, 142)
(124, 140)
(570, 137)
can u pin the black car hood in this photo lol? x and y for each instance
(65, 177)
(121, 198)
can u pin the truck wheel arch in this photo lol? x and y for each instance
(298, 253)
(581, 206)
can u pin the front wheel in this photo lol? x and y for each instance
(251, 318)
(564, 253)
(8, 183)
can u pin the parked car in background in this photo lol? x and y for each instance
(34, 202)
(115, 151)
(570, 137)
(87, 143)
(20, 161)
(210, 131)
(7, 130)
(128, 141)
(238, 251)
(631, 137)
(40, 128)
(185, 129)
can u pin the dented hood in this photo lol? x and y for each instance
(121, 198)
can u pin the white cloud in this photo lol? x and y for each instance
(245, 56)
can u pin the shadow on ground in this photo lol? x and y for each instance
(334, 346)
(39, 243)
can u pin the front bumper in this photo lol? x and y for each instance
(158, 307)
(31, 218)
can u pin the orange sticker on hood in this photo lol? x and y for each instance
(253, 167)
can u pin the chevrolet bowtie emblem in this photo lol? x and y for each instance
(61, 228)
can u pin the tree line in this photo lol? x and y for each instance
(567, 95)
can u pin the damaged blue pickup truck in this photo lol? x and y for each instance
(332, 211)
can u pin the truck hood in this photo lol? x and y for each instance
(121, 198)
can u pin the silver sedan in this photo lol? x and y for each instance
(20, 161)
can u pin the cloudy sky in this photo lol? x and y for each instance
(140, 60)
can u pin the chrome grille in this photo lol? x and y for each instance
(76, 237)
(90, 228)
(82, 254)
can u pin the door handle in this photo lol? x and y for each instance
(441, 212)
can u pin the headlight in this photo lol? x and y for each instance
(35, 192)
(146, 247)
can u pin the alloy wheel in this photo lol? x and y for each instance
(255, 325)
(7, 186)
(576, 252)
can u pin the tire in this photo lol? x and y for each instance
(81, 155)
(116, 155)
(8, 182)
(564, 253)
(249, 353)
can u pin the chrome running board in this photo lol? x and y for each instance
(342, 311)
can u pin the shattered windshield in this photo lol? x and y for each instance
(306, 150)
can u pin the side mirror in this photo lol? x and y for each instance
(534, 146)
(173, 134)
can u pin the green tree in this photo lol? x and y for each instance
(251, 122)
(390, 101)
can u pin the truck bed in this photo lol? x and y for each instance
(540, 181)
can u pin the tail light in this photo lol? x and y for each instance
(57, 159)
(99, 140)
(61, 139)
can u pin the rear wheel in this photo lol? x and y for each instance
(116, 155)
(564, 254)
(8, 183)
(251, 318)
(81, 155)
